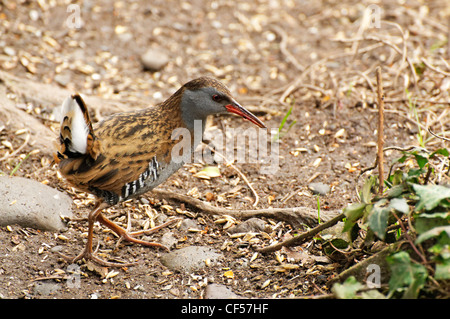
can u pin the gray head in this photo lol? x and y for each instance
(207, 96)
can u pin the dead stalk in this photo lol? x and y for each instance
(380, 158)
(27, 139)
(298, 240)
(296, 216)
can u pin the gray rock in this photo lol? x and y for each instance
(189, 259)
(188, 223)
(250, 225)
(56, 249)
(154, 59)
(63, 78)
(216, 291)
(45, 288)
(161, 218)
(319, 188)
(168, 239)
(125, 37)
(29, 203)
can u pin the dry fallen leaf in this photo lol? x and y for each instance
(208, 172)
(209, 196)
(340, 133)
(316, 163)
(265, 284)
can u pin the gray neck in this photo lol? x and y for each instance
(191, 112)
(194, 119)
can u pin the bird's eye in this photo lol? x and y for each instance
(216, 98)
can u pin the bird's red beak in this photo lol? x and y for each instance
(241, 111)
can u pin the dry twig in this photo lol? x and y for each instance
(298, 240)
(283, 47)
(27, 139)
(294, 85)
(435, 69)
(380, 158)
(390, 44)
(435, 135)
(296, 216)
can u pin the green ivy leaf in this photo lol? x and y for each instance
(372, 294)
(414, 174)
(441, 151)
(378, 219)
(397, 178)
(430, 195)
(366, 193)
(395, 191)
(336, 243)
(442, 271)
(401, 159)
(425, 222)
(421, 160)
(405, 275)
(434, 232)
(400, 205)
(348, 289)
(353, 212)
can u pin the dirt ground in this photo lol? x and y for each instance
(272, 55)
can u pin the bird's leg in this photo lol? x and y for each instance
(96, 215)
(144, 232)
(87, 253)
(129, 236)
(128, 229)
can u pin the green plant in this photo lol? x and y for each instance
(413, 109)
(318, 209)
(352, 289)
(280, 134)
(415, 210)
(18, 165)
(350, 88)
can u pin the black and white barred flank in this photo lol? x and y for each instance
(147, 177)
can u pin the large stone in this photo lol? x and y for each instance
(216, 291)
(154, 59)
(189, 259)
(29, 203)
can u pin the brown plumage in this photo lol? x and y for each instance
(128, 154)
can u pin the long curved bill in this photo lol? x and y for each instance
(236, 108)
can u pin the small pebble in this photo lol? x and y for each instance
(319, 188)
(250, 225)
(154, 60)
(188, 223)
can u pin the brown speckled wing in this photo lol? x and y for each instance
(129, 142)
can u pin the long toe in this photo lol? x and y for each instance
(89, 256)
(155, 229)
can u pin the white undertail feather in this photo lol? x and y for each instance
(78, 127)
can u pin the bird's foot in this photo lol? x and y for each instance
(125, 234)
(154, 229)
(88, 255)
